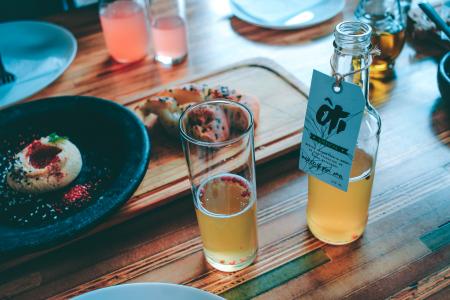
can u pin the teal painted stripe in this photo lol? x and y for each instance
(437, 238)
(278, 276)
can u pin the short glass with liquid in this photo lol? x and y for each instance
(125, 29)
(169, 30)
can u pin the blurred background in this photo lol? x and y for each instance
(14, 9)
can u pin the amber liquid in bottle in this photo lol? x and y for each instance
(390, 44)
(337, 217)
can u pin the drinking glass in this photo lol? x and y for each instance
(217, 139)
(388, 21)
(125, 29)
(168, 23)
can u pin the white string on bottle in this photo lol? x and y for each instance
(340, 77)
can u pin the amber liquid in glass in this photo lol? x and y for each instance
(226, 214)
(337, 217)
(390, 44)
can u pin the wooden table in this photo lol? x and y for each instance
(404, 253)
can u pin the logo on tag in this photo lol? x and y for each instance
(333, 116)
(331, 130)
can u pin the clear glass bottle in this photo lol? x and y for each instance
(334, 216)
(388, 21)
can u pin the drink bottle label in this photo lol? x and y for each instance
(332, 122)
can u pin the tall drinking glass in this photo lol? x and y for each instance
(217, 138)
(168, 23)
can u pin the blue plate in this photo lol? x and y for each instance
(154, 290)
(286, 14)
(37, 53)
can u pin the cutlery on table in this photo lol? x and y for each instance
(5, 76)
(431, 13)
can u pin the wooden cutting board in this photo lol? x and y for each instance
(283, 106)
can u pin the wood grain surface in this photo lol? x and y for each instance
(405, 251)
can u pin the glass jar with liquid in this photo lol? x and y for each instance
(169, 31)
(125, 29)
(334, 216)
(388, 21)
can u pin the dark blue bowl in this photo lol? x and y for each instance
(112, 141)
(444, 78)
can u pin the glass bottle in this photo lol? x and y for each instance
(169, 31)
(334, 216)
(388, 21)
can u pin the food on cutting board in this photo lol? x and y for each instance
(168, 105)
(209, 124)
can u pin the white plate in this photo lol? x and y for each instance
(318, 12)
(37, 53)
(140, 291)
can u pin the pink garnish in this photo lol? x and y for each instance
(77, 193)
(41, 155)
(245, 194)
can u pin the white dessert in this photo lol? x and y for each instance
(47, 164)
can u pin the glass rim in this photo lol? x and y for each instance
(193, 140)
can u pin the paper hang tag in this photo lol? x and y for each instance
(331, 130)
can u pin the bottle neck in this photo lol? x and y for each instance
(346, 62)
(352, 45)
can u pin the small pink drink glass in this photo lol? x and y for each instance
(125, 29)
(169, 31)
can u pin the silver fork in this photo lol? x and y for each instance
(5, 76)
